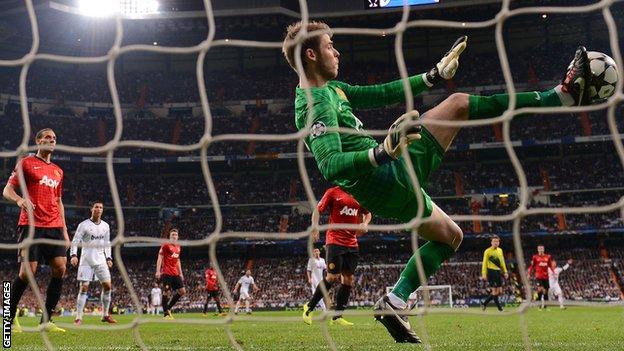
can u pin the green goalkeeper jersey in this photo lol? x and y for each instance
(344, 158)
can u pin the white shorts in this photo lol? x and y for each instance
(87, 273)
(555, 290)
(156, 302)
(244, 295)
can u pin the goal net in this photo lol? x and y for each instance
(431, 295)
(436, 295)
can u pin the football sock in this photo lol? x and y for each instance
(206, 304)
(17, 290)
(81, 301)
(432, 254)
(560, 298)
(488, 300)
(218, 305)
(165, 303)
(318, 294)
(173, 301)
(106, 301)
(342, 298)
(397, 301)
(321, 305)
(497, 302)
(480, 107)
(53, 294)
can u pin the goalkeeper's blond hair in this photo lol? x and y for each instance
(312, 42)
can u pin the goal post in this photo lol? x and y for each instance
(439, 295)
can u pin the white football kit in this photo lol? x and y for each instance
(95, 238)
(553, 280)
(156, 294)
(316, 268)
(245, 283)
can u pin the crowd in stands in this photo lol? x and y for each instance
(283, 182)
(143, 196)
(267, 26)
(67, 84)
(93, 131)
(198, 223)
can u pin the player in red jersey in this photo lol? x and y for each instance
(341, 249)
(44, 182)
(169, 272)
(212, 289)
(540, 263)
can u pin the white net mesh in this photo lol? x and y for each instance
(207, 139)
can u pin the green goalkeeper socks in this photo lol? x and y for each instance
(432, 255)
(481, 107)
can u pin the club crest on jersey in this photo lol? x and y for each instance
(49, 182)
(318, 129)
(348, 211)
(341, 93)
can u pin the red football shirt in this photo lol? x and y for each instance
(44, 182)
(343, 209)
(540, 264)
(171, 257)
(211, 280)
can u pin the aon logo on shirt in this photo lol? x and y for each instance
(175, 255)
(348, 211)
(49, 182)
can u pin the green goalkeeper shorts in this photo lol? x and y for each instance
(388, 192)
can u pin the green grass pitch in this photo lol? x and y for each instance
(577, 328)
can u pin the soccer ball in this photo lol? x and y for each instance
(604, 75)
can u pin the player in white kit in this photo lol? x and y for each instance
(553, 281)
(95, 261)
(244, 283)
(156, 300)
(315, 269)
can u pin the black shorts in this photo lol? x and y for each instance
(41, 252)
(171, 282)
(342, 259)
(543, 283)
(213, 294)
(494, 278)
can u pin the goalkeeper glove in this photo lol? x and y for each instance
(400, 134)
(446, 68)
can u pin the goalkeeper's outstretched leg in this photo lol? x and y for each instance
(460, 107)
(426, 152)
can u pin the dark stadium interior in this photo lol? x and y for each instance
(569, 159)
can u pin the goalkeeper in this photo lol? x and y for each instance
(375, 174)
